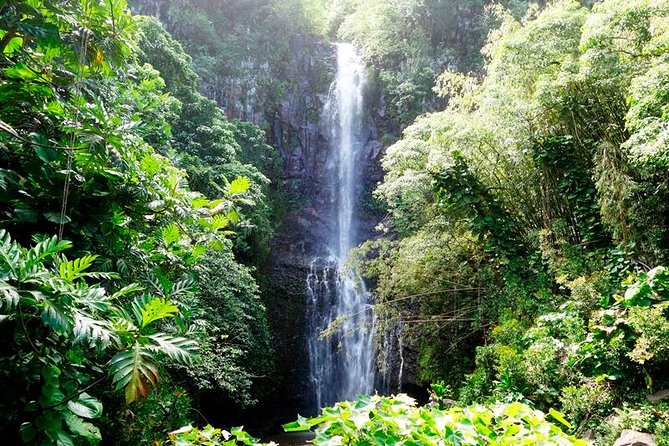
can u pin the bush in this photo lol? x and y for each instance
(397, 420)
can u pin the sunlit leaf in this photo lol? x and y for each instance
(239, 185)
(157, 309)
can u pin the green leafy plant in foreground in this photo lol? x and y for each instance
(62, 331)
(397, 420)
(210, 436)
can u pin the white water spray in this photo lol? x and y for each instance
(342, 364)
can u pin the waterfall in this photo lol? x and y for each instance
(342, 362)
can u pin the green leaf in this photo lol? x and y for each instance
(57, 218)
(136, 370)
(83, 429)
(151, 164)
(98, 332)
(42, 147)
(558, 416)
(178, 348)
(10, 296)
(128, 289)
(21, 71)
(171, 234)
(239, 186)
(155, 310)
(45, 248)
(71, 270)
(300, 425)
(56, 316)
(86, 406)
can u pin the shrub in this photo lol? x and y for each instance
(397, 420)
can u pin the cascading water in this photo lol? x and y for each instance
(342, 361)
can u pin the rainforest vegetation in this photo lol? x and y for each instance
(522, 215)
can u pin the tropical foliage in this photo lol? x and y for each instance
(522, 210)
(88, 134)
(524, 207)
(397, 420)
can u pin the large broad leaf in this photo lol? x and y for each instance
(86, 406)
(136, 370)
(157, 309)
(84, 429)
(178, 348)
